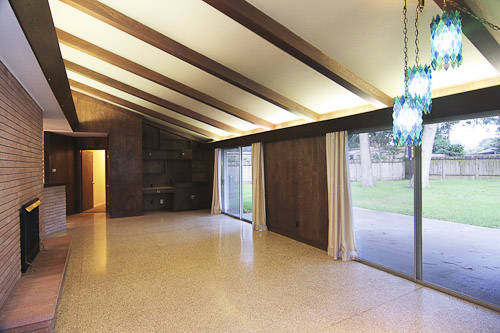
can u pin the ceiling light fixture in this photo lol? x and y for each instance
(446, 40)
(446, 35)
(419, 76)
(407, 117)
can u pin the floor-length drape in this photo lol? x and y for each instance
(216, 192)
(340, 225)
(258, 188)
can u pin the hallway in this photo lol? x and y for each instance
(189, 271)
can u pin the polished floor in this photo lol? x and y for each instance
(192, 272)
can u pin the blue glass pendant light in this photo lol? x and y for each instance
(419, 76)
(407, 122)
(446, 40)
(407, 115)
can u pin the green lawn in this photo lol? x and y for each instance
(247, 198)
(475, 202)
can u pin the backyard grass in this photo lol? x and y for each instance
(234, 200)
(247, 198)
(474, 202)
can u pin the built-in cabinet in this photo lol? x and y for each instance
(168, 179)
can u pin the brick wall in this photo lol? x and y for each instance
(21, 127)
(54, 209)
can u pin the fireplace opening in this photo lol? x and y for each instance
(30, 235)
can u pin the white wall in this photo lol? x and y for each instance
(99, 166)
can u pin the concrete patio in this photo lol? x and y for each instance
(460, 257)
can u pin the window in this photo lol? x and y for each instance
(432, 213)
(237, 182)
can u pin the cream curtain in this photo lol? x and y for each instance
(216, 199)
(258, 189)
(340, 227)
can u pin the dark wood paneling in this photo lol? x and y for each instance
(21, 171)
(178, 162)
(178, 171)
(153, 167)
(36, 21)
(139, 108)
(458, 106)
(296, 190)
(59, 152)
(150, 137)
(202, 164)
(91, 143)
(124, 149)
(191, 196)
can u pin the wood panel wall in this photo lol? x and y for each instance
(59, 155)
(21, 171)
(296, 189)
(124, 194)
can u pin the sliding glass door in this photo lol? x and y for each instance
(231, 175)
(432, 213)
(382, 198)
(237, 182)
(461, 208)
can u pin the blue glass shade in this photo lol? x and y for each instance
(407, 122)
(446, 40)
(419, 86)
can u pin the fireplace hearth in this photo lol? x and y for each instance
(30, 235)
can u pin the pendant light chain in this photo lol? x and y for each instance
(405, 33)
(467, 11)
(417, 51)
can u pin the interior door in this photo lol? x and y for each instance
(87, 180)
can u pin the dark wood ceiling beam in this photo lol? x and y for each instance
(38, 27)
(144, 72)
(164, 43)
(148, 97)
(139, 108)
(277, 34)
(478, 35)
(172, 130)
(79, 94)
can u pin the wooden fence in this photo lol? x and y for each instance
(466, 167)
(461, 167)
(383, 170)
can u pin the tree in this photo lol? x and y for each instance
(490, 143)
(427, 145)
(443, 146)
(366, 162)
(353, 140)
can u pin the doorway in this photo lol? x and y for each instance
(93, 181)
(236, 182)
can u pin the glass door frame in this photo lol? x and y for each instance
(240, 152)
(417, 251)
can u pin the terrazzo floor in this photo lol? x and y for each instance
(192, 272)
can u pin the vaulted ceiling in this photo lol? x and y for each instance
(222, 68)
